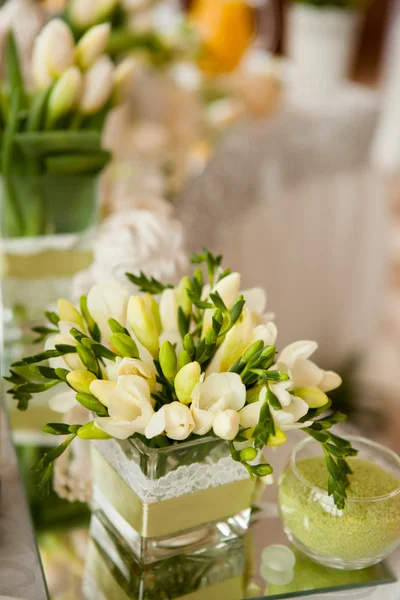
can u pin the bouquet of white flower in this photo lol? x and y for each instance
(54, 131)
(177, 363)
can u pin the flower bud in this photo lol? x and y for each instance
(168, 360)
(142, 323)
(53, 53)
(262, 470)
(189, 345)
(312, 395)
(124, 345)
(80, 380)
(228, 288)
(252, 350)
(65, 95)
(124, 75)
(101, 389)
(278, 439)
(92, 44)
(68, 312)
(97, 86)
(85, 13)
(226, 424)
(155, 311)
(169, 310)
(184, 359)
(90, 431)
(88, 358)
(248, 454)
(186, 380)
(185, 286)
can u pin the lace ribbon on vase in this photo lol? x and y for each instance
(184, 480)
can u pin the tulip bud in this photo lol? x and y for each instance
(92, 45)
(80, 380)
(168, 360)
(124, 75)
(65, 95)
(184, 359)
(53, 53)
(90, 431)
(226, 424)
(85, 13)
(68, 312)
(248, 454)
(97, 86)
(186, 380)
(312, 395)
(142, 323)
(101, 389)
(185, 286)
(155, 311)
(278, 439)
(125, 345)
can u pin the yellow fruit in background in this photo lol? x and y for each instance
(226, 28)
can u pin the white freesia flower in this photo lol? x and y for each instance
(135, 366)
(98, 83)
(129, 407)
(228, 288)
(234, 345)
(106, 301)
(92, 44)
(226, 424)
(72, 361)
(169, 310)
(53, 53)
(102, 389)
(175, 419)
(218, 392)
(294, 360)
(284, 419)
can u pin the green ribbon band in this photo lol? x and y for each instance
(105, 582)
(49, 263)
(175, 515)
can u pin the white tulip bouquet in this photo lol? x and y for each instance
(54, 130)
(176, 363)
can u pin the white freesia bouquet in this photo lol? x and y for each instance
(175, 363)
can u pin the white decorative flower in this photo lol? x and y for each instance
(133, 241)
(294, 360)
(217, 393)
(175, 419)
(98, 84)
(53, 53)
(64, 401)
(108, 301)
(226, 424)
(129, 407)
(92, 44)
(134, 366)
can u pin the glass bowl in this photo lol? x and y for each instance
(366, 530)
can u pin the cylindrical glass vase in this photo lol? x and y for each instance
(47, 222)
(366, 530)
(162, 501)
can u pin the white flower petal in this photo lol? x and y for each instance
(305, 373)
(280, 391)
(156, 425)
(106, 301)
(301, 349)
(236, 398)
(226, 424)
(101, 389)
(179, 421)
(330, 381)
(203, 420)
(267, 333)
(117, 429)
(256, 299)
(228, 288)
(63, 402)
(169, 310)
(250, 414)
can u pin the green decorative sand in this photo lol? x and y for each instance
(363, 530)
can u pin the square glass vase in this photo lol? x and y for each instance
(167, 500)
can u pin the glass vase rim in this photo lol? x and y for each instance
(350, 438)
(135, 441)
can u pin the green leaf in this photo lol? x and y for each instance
(218, 302)
(145, 284)
(89, 359)
(43, 333)
(15, 378)
(47, 372)
(203, 304)
(56, 428)
(103, 352)
(66, 349)
(273, 400)
(14, 72)
(183, 322)
(36, 388)
(46, 355)
(52, 317)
